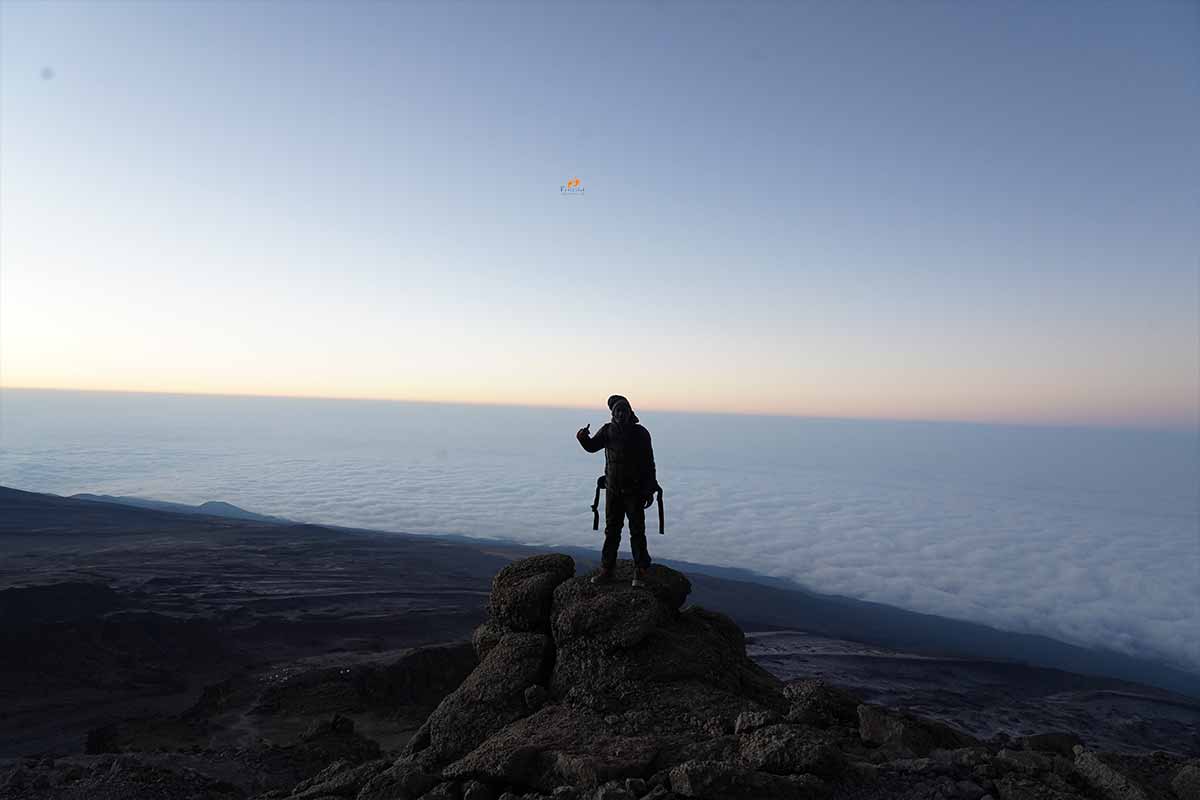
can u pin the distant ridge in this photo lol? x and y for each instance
(212, 508)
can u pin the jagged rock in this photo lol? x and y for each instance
(447, 790)
(475, 790)
(1019, 787)
(497, 763)
(522, 591)
(424, 760)
(557, 746)
(401, 781)
(904, 733)
(600, 615)
(670, 586)
(344, 781)
(1105, 779)
(1062, 743)
(17, 780)
(613, 791)
(815, 702)
(322, 776)
(720, 625)
(620, 648)
(1186, 783)
(715, 780)
(491, 697)
(618, 694)
(719, 748)
(750, 720)
(485, 637)
(636, 686)
(419, 740)
(789, 750)
(934, 787)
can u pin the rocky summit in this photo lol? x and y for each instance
(576, 691)
(610, 692)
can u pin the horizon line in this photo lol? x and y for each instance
(1194, 428)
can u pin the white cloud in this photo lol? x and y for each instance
(1003, 526)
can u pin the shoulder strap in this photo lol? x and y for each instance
(659, 493)
(600, 484)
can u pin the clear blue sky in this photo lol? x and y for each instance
(982, 211)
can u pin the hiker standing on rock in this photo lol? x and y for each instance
(630, 485)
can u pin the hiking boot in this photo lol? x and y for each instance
(639, 576)
(604, 575)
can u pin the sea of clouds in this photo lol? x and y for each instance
(1089, 536)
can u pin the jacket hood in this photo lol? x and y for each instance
(617, 399)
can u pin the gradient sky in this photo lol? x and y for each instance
(975, 211)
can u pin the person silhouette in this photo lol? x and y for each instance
(630, 484)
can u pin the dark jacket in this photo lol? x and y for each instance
(628, 458)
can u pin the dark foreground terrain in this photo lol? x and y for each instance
(147, 653)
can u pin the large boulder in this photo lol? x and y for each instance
(485, 637)
(817, 703)
(716, 780)
(790, 750)
(339, 779)
(1186, 783)
(559, 746)
(606, 616)
(522, 591)
(904, 734)
(626, 686)
(619, 647)
(589, 691)
(491, 697)
(1105, 779)
(399, 782)
(1014, 786)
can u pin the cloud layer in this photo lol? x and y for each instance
(1086, 536)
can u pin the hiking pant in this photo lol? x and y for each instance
(617, 506)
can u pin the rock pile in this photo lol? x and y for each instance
(607, 692)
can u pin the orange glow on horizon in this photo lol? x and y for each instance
(954, 410)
